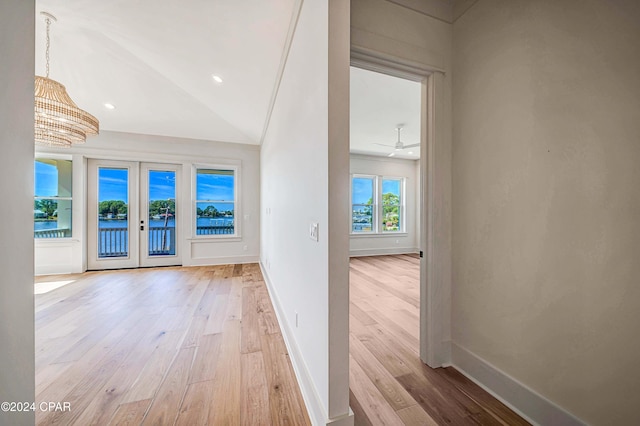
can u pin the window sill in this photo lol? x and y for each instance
(54, 241)
(379, 234)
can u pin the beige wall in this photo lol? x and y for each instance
(417, 34)
(546, 206)
(16, 224)
(392, 29)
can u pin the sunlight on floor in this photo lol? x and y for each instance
(46, 287)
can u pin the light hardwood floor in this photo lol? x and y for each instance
(389, 385)
(185, 346)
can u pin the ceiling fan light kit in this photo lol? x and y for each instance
(58, 120)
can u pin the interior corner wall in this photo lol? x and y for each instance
(546, 101)
(303, 145)
(17, 384)
(389, 243)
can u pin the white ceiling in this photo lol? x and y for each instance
(379, 103)
(154, 61)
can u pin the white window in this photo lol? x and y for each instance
(392, 205)
(53, 196)
(363, 206)
(374, 197)
(215, 201)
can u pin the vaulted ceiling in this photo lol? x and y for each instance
(155, 61)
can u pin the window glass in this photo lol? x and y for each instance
(215, 202)
(362, 208)
(52, 202)
(391, 205)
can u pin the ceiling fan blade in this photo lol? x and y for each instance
(410, 146)
(384, 144)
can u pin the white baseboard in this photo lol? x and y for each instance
(317, 413)
(55, 270)
(529, 404)
(383, 251)
(226, 260)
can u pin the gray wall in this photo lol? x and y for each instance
(16, 191)
(546, 206)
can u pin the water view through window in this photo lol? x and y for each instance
(362, 204)
(113, 212)
(162, 213)
(215, 202)
(52, 203)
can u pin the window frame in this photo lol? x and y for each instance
(56, 157)
(401, 205)
(236, 202)
(374, 207)
(378, 207)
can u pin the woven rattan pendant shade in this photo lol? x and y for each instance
(58, 121)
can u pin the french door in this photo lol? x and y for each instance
(133, 212)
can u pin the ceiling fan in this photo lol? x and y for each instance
(399, 146)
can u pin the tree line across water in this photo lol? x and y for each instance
(114, 208)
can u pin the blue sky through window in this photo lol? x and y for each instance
(211, 186)
(162, 185)
(392, 186)
(113, 184)
(362, 190)
(46, 179)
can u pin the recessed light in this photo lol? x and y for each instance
(217, 79)
(410, 152)
(109, 106)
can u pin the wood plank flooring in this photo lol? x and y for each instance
(389, 385)
(164, 346)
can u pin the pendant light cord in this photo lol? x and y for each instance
(48, 21)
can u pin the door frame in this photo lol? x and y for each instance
(132, 260)
(137, 208)
(435, 200)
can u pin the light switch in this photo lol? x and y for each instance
(313, 231)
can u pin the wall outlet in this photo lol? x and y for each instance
(244, 248)
(313, 231)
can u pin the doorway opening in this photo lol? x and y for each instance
(133, 214)
(385, 149)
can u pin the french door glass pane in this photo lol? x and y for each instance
(113, 205)
(162, 213)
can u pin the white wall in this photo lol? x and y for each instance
(406, 242)
(67, 256)
(305, 179)
(546, 204)
(16, 224)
